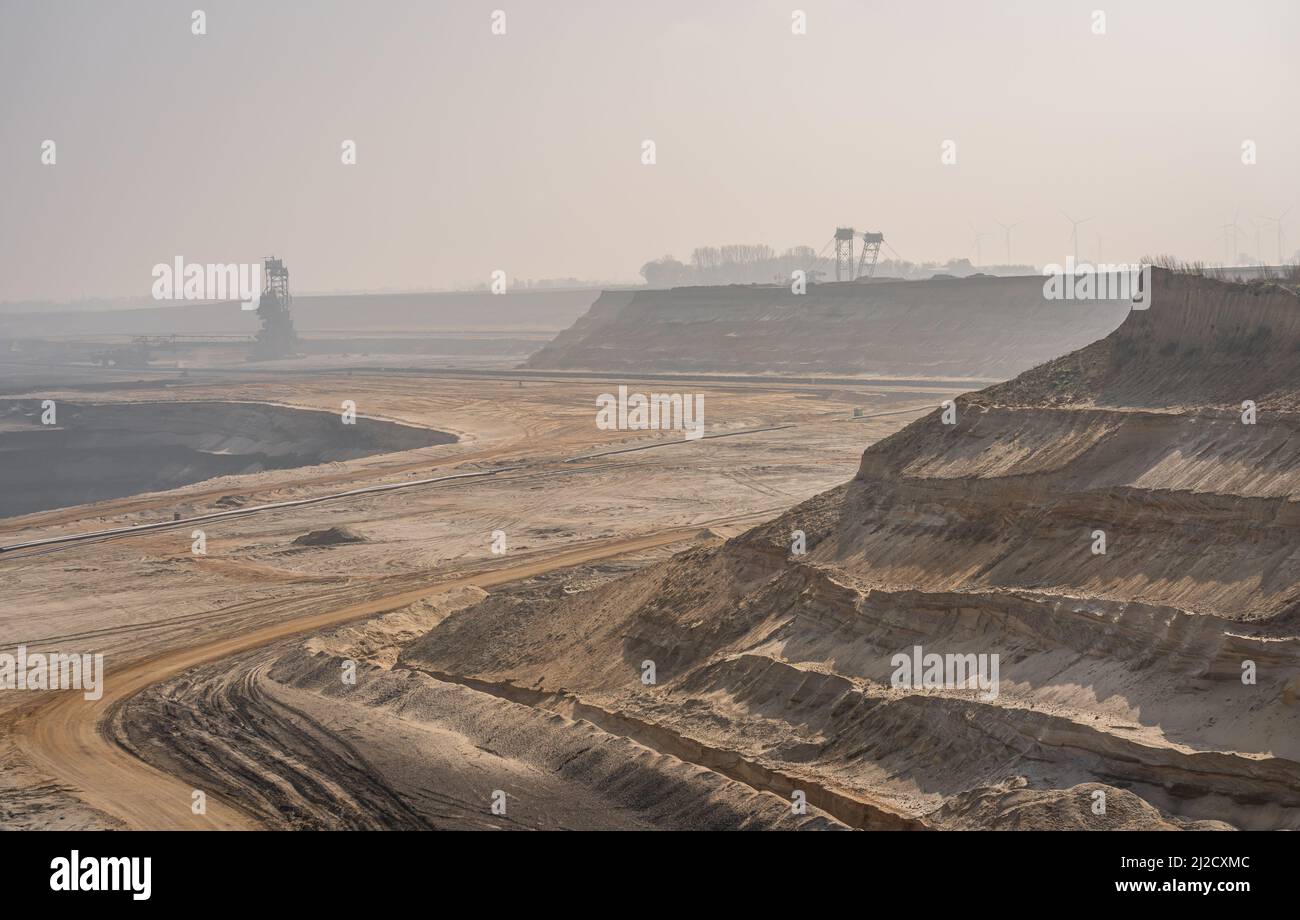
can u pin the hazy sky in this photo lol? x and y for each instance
(523, 151)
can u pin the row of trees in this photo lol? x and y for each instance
(760, 264)
(738, 263)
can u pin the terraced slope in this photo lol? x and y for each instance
(1160, 678)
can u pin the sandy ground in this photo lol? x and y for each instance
(521, 668)
(1157, 671)
(154, 609)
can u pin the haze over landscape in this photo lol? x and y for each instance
(522, 152)
(593, 416)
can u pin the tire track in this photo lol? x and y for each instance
(64, 736)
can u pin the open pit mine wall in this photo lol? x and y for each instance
(1119, 670)
(1140, 435)
(1212, 343)
(1201, 343)
(990, 328)
(981, 535)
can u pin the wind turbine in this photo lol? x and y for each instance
(1006, 229)
(1074, 233)
(1280, 234)
(1230, 233)
(979, 235)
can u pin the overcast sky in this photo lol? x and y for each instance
(523, 151)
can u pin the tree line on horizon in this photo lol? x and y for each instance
(758, 263)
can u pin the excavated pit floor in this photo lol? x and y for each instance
(95, 452)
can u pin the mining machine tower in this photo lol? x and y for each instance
(277, 338)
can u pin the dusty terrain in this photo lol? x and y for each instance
(521, 672)
(1121, 671)
(532, 464)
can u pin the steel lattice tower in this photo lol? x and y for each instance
(844, 254)
(278, 339)
(871, 243)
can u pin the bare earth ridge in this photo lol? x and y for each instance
(1120, 671)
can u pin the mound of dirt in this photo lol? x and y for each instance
(334, 536)
(1013, 807)
(1110, 538)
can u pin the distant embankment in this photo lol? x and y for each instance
(991, 328)
(386, 313)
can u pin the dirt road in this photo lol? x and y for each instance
(62, 734)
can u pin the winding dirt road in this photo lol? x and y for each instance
(62, 735)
